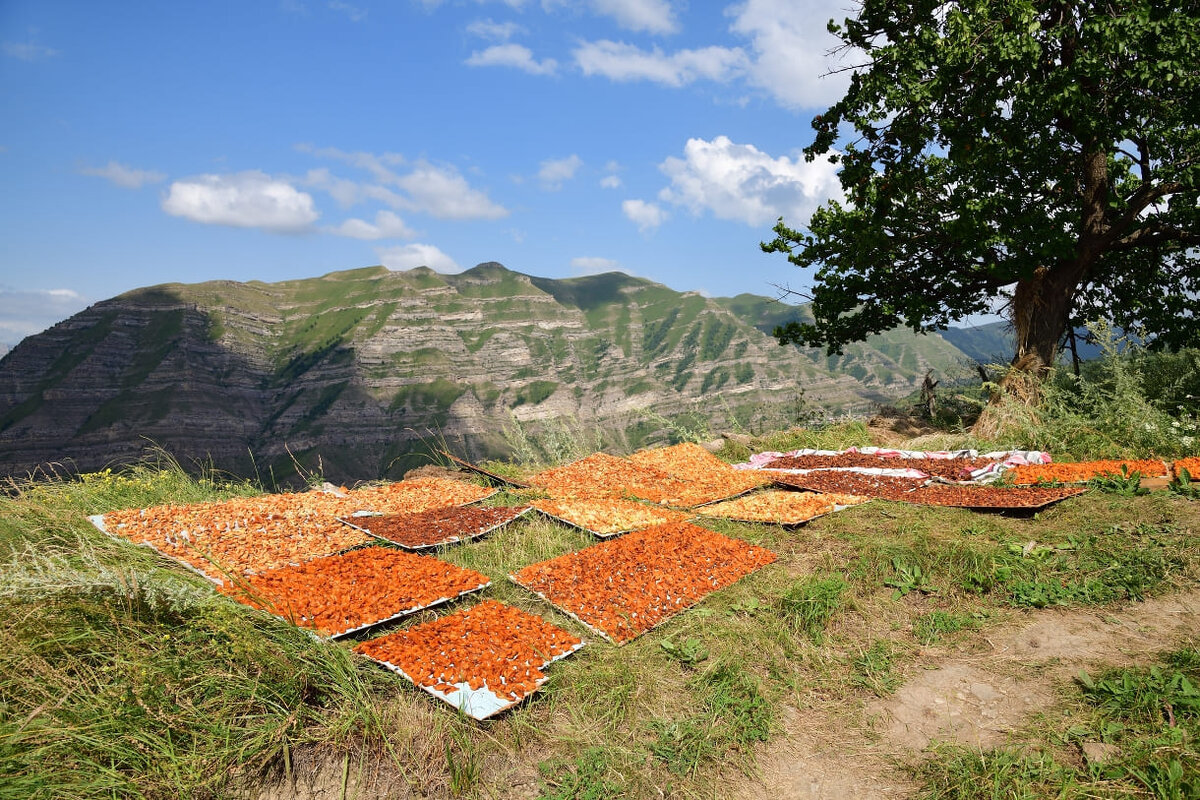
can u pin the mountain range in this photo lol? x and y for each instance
(360, 373)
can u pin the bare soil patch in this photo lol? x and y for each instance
(977, 696)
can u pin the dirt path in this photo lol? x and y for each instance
(975, 699)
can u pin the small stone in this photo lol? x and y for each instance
(1099, 752)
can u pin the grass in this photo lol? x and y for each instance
(127, 676)
(1149, 716)
(809, 604)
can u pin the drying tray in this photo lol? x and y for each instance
(1066, 493)
(360, 574)
(788, 525)
(98, 521)
(478, 703)
(408, 611)
(579, 527)
(666, 616)
(671, 516)
(478, 470)
(372, 512)
(360, 525)
(780, 515)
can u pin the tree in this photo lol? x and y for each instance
(1043, 149)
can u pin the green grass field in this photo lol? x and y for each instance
(127, 676)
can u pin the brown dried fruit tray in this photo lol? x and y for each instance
(991, 498)
(623, 587)
(920, 492)
(481, 660)
(605, 518)
(948, 468)
(344, 594)
(440, 526)
(856, 483)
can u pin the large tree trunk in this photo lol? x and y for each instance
(1043, 302)
(1041, 312)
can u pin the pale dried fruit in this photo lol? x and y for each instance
(780, 507)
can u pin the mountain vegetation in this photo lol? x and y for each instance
(358, 374)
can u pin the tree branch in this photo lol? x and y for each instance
(1155, 235)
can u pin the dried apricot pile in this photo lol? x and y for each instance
(253, 534)
(438, 526)
(418, 494)
(1079, 471)
(856, 483)
(691, 462)
(990, 496)
(491, 645)
(602, 475)
(337, 594)
(1192, 465)
(606, 517)
(623, 587)
(605, 476)
(949, 468)
(780, 507)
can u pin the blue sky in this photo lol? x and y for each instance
(150, 142)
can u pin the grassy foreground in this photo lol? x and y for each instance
(124, 676)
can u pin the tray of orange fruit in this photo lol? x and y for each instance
(482, 660)
(336, 596)
(621, 588)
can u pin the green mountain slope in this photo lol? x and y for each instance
(354, 372)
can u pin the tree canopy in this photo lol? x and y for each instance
(1044, 150)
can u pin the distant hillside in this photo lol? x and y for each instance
(360, 370)
(992, 343)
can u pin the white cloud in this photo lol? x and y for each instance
(740, 182)
(354, 13)
(440, 191)
(249, 199)
(495, 31)
(417, 255)
(651, 16)
(125, 176)
(345, 192)
(444, 193)
(380, 166)
(28, 51)
(555, 171)
(585, 265)
(512, 55)
(646, 216)
(619, 61)
(792, 48)
(26, 312)
(387, 225)
(610, 182)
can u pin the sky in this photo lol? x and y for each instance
(155, 142)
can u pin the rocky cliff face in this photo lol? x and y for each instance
(360, 371)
